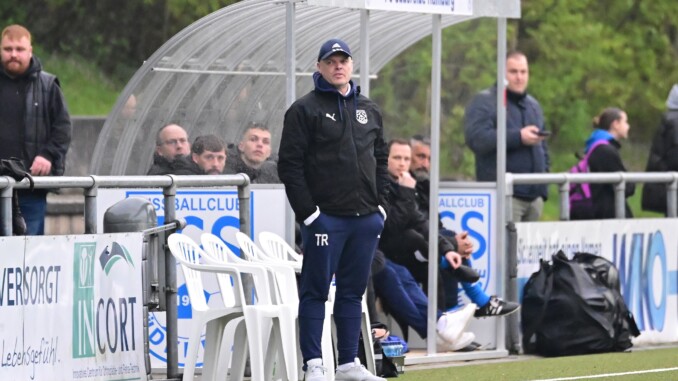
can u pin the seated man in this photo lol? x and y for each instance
(420, 166)
(403, 298)
(252, 156)
(208, 152)
(171, 149)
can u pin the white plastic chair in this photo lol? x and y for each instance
(275, 246)
(281, 277)
(188, 254)
(251, 251)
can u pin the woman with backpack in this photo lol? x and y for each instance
(610, 127)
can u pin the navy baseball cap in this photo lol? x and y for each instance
(333, 46)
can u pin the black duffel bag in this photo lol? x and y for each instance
(573, 307)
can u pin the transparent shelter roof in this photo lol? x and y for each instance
(228, 69)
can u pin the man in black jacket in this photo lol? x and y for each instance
(34, 122)
(251, 156)
(332, 160)
(526, 150)
(172, 150)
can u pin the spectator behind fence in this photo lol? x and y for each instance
(208, 152)
(39, 135)
(333, 164)
(663, 154)
(488, 306)
(611, 125)
(526, 149)
(404, 299)
(172, 150)
(252, 156)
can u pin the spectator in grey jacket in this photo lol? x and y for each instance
(526, 149)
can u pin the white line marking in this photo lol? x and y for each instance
(611, 374)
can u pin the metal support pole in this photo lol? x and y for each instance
(91, 207)
(6, 207)
(671, 193)
(365, 52)
(432, 311)
(564, 197)
(171, 314)
(502, 212)
(290, 54)
(620, 199)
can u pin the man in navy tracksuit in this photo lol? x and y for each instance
(333, 162)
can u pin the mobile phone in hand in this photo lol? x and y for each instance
(543, 133)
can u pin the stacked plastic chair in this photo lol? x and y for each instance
(281, 288)
(278, 249)
(246, 327)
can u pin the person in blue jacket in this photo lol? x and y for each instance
(611, 125)
(526, 149)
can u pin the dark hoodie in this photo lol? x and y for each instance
(34, 119)
(267, 173)
(332, 153)
(606, 158)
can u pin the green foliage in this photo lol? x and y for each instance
(584, 55)
(87, 90)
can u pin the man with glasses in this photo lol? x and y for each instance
(171, 148)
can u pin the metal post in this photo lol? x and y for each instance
(671, 193)
(365, 52)
(432, 311)
(91, 207)
(244, 206)
(290, 54)
(620, 198)
(6, 207)
(564, 197)
(171, 314)
(502, 281)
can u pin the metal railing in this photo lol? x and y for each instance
(159, 276)
(619, 179)
(563, 180)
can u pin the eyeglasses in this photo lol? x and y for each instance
(175, 142)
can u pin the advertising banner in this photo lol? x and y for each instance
(205, 210)
(72, 308)
(645, 251)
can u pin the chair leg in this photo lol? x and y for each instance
(289, 350)
(192, 350)
(366, 329)
(240, 350)
(326, 342)
(214, 334)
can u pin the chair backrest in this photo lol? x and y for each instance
(249, 248)
(275, 246)
(218, 249)
(186, 251)
(217, 252)
(282, 274)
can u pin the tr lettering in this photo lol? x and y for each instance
(321, 240)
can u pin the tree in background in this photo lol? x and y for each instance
(584, 55)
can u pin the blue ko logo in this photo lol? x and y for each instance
(644, 276)
(471, 212)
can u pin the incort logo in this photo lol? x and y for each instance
(108, 324)
(83, 299)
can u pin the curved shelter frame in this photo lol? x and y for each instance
(246, 63)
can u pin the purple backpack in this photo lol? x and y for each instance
(581, 204)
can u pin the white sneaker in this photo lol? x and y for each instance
(452, 324)
(315, 371)
(465, 339)
(356, 372)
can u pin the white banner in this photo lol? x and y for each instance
(72, 308)
(645, 251)
(445, 7)
(205, 210)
